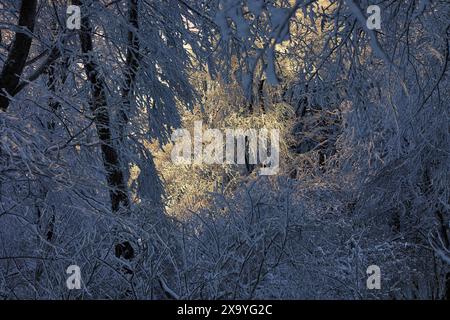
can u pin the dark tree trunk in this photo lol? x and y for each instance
(18, 54)
(131, 67)
(114, 174)
(261, 97)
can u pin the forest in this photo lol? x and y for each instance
(224, 149)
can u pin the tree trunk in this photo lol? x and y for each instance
(131, 67)
(18, 54)
(114, 174)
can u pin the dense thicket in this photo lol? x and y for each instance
(86, 176)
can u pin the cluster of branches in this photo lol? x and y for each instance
(78, 108)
